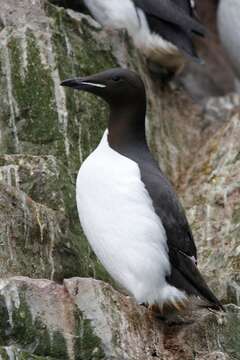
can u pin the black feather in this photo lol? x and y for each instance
(174, 35)
(186, 276)
(173, 13)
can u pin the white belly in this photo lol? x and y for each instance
(113, 14)
(118, 218)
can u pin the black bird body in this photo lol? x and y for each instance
(160, 28)
(174, 21)
(125, 93)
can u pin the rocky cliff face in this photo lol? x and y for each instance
(45, 134)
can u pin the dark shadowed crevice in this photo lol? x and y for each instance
(77, 5)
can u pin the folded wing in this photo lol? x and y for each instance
(173, 12)
(182, 250)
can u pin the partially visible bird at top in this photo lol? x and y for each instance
(127, 207)
(229, 31)
(161, 29)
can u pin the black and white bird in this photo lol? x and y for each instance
(229, 31)
(161, 29)
(129, 212)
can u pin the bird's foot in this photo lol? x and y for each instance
(179, 304)
(173, 306)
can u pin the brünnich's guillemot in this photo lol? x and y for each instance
(229, 31)
(159, 28)
(128, 210)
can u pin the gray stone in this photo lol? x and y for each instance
(87, 319)
(211, 193)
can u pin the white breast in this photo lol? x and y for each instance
(118, 218)
(114, 14)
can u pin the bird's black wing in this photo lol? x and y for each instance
(172, 12)
(181, 246)
(168, 208)
(174, 35)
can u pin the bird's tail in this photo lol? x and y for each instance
(186, 276)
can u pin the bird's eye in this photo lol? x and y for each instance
(116, 78)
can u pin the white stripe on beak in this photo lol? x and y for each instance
(93, 84)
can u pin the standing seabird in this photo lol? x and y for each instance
(229, 31)
(129, 212)
(161, 29)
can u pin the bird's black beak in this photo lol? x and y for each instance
(90, 84)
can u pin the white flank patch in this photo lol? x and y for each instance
(118, 218)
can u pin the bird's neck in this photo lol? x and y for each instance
(126, 126)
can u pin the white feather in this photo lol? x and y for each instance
(118, 218)
(229, 31)
(115, 14)
(193, 5)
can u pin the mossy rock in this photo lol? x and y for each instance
(41, 122)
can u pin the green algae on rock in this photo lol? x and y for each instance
(48, 123)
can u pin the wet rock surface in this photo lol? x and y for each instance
(45, 134)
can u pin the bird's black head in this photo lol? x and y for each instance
(124, 91)
(118, 87)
